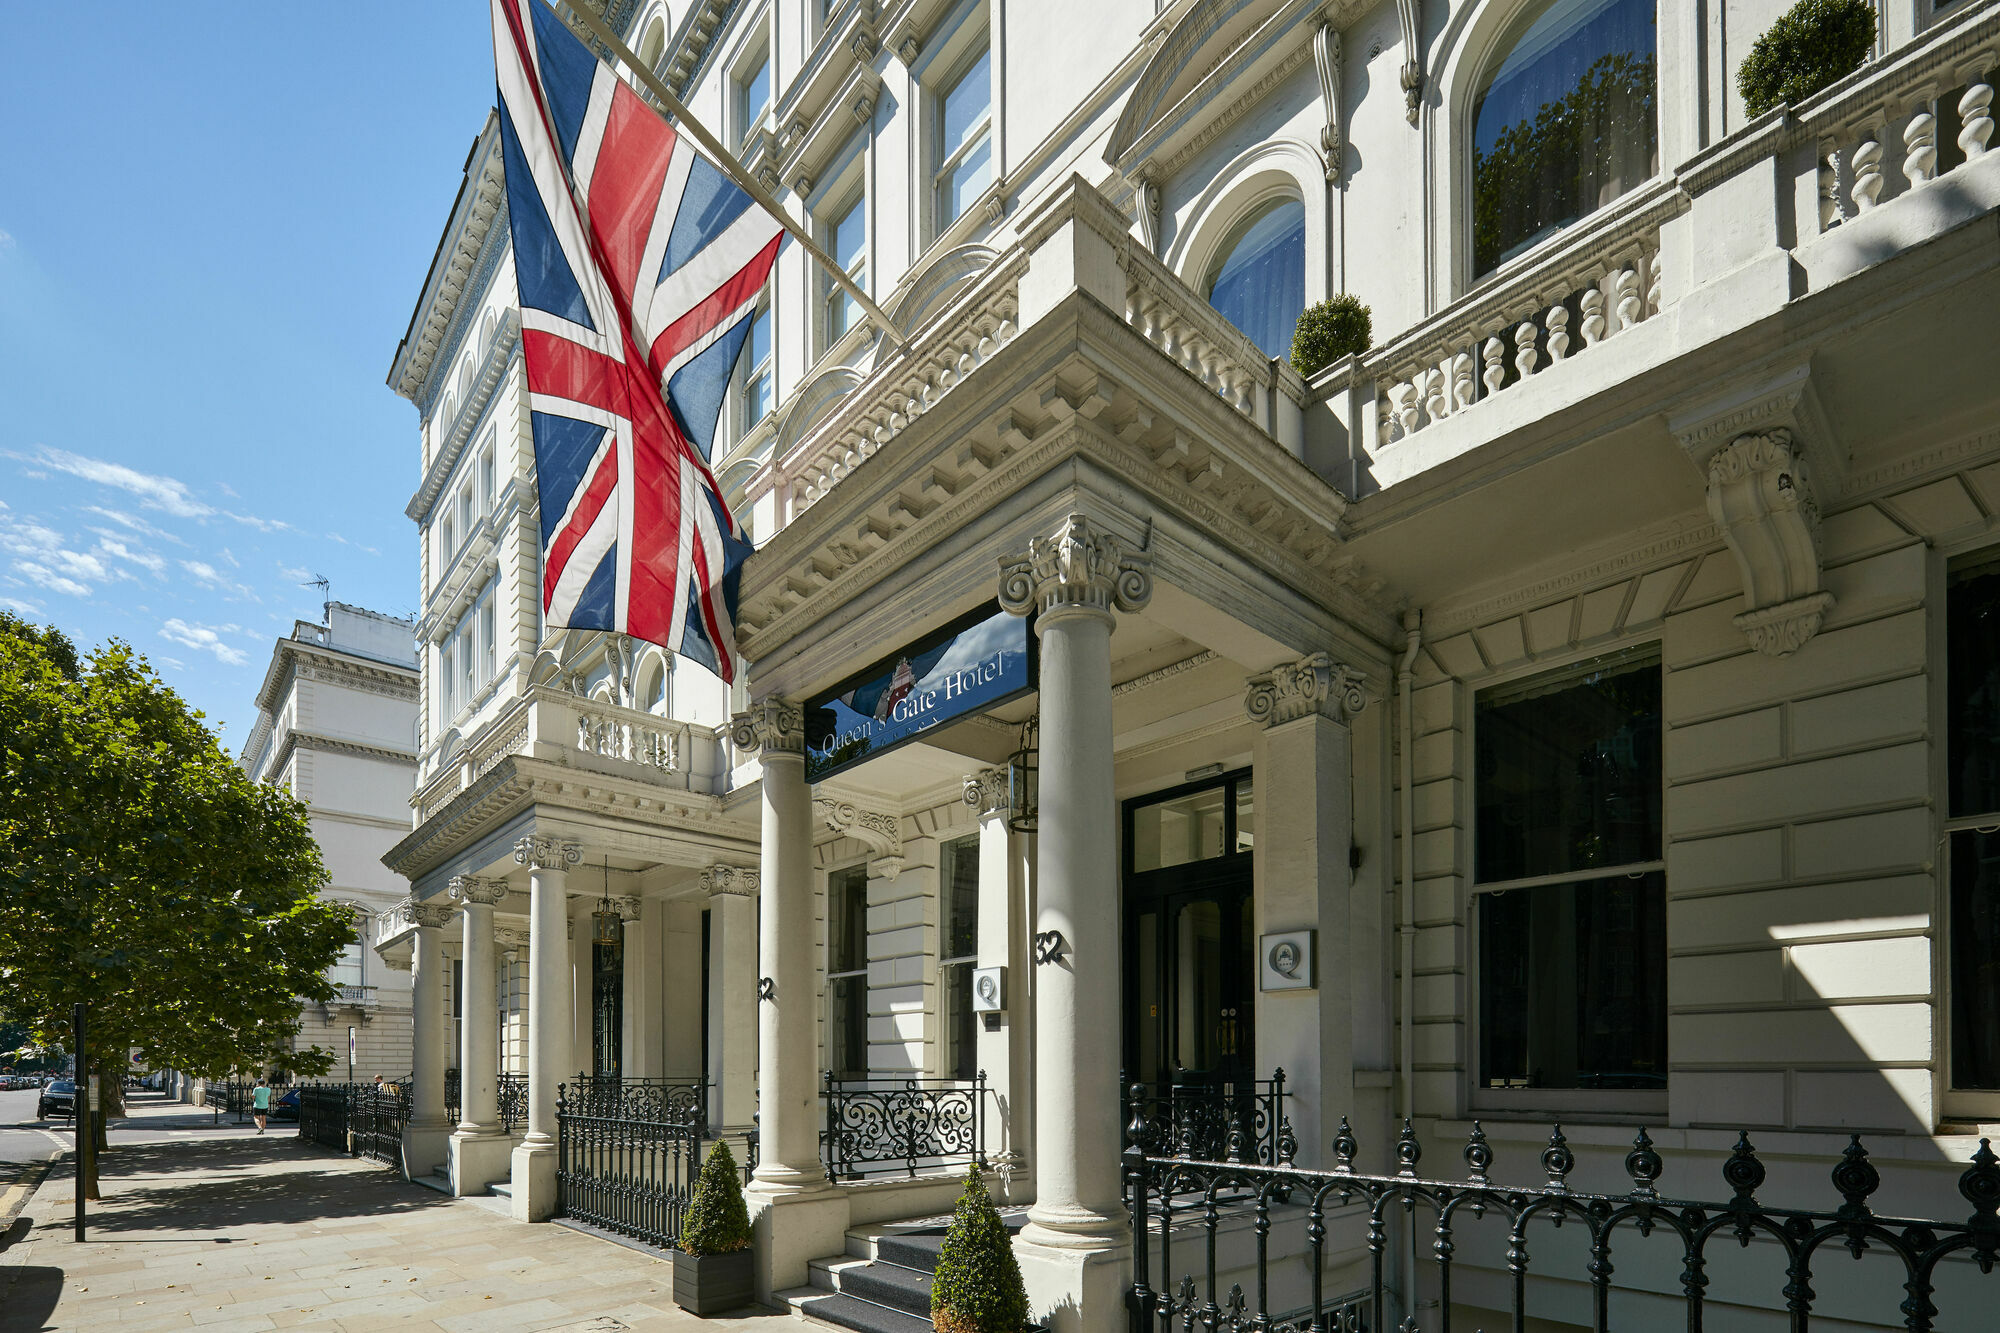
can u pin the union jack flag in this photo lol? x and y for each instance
(639, 265)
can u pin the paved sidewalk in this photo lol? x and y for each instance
(221, 1229)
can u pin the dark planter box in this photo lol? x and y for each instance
(710, 1284)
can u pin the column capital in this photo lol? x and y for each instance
(627, 906)
(733, 881)
(771, 725)
(1315, 685)
(1080, 566)
(986, 792)
(426, 914)
(543, 851)
(471, 889)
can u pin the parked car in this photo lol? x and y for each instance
(286, 1107)
(58, 1099)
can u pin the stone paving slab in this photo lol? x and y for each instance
(215, 1228)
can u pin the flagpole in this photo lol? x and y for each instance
(726, 160)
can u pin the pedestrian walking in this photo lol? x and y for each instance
(260, 1104)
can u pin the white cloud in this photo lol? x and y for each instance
(25, 606)
(116, 548)
(42, 576)
(6, 241)
(296, 573)
(202, 639)
(46, 559)
(133, 523)
(155, 492)
(212, 577)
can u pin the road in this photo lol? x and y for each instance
(25, 1143)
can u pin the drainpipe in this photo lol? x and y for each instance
(1406, 932)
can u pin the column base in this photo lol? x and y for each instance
(1075, 1290)
(1055, 1226)
(534, 1182)
(477, 1159)
(774, 1179)
(424, 1149)
(793, 1229)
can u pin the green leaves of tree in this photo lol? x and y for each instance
(143, 872)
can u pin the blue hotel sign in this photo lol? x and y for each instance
(969, 666)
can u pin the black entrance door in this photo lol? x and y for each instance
(1190, 937)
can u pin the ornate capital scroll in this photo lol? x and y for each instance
(1326, 56)
(736, 881)
(1080, 566)
(627, 906)
(1313, 685)
(772, 725)
(468, 889)
(542, 851)
(882, 832)
(1760, 495)
(413, 912)
(986, 792)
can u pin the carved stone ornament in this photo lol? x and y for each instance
(399, 964)
(1760, 495)
(468, 889)
(986, 792)
(423, 914)
(510, 937)
(882, 832)
(772, 725)
(1079, 567)
(1413, 62)
(1315, 685)
(1326, 56)
(542, 851)
(736, 881)
(627, 906)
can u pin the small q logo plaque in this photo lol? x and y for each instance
(1288, 960)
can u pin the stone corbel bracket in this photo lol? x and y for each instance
(1762, 451)
(734, 881)
(1326, 57)
(882, 833)
(1411, 18)
(1313, 685)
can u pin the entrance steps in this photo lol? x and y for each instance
(882, 1284)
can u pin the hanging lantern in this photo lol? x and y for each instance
(1023, 796)
(607, 926)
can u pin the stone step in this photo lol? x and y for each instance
(851, 1312)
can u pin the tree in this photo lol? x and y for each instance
(142, 872)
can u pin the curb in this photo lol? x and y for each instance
(15, 1197)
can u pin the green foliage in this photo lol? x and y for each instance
(1813, 45)
(143, 872)
(716, 1221)
(1328, 331)
(978, 1285)
(1573, 156)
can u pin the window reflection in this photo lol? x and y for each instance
(1259, 284)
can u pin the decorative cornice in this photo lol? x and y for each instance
(423, 915)
(731, 881)
(883, 832)
(467, 417)
(1165, 673)
(1080, 567)
(470, 889)
(1313, 686)
(542, 851)
(467, 253)
(772, 726)
(986, 792)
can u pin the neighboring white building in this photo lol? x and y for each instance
(1571, 708)
(336, 726)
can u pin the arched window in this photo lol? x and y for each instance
(654, 43)
(653, 696)
(1563, 123)
(1259, 278)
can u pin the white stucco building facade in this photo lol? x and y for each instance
(1584, 684)
(336, 726)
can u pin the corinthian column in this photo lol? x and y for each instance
(1076, 579)
(549, 1018)
(478, 1147)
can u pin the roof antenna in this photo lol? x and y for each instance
(325, 586)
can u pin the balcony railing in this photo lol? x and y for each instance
(906, 1126)
(1289, 1208)
(1225, 1122)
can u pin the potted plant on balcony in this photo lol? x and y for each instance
(714, 1270)
(1813, 45)
(1328, 331)
(978, 1284)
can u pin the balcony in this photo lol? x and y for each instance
(555, 727)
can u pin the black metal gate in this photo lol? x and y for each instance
(323, 1114)
(628, 1151)
(376, 1116)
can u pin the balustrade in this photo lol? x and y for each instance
(874, 1126)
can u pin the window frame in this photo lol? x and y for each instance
(747, 373)
(967, 963)
(943, 163)
(851, 192)
(745, 119)
(1954, 1103)
(858, 974)
(1613, 1104)
(1232, 237)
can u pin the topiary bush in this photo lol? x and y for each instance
(978, 1284)
(716, 1221)
(1814, 44)
(1328, 331)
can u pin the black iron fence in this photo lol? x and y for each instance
(1234, 1122)
(323, 1114)
(513, 1090)
(1170, 1194)
(876, 1126)
(628, 1152)
(364, 1118)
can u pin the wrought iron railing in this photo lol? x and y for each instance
(628, 1152)
(376, 1116)
(1164, 1191)
(876, 1126)
(1234, 1122)
(323, 1114)
(513, 1102)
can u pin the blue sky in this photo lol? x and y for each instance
(212, 232)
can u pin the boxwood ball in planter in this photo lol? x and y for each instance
(978, 1285)
(714, 1269)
